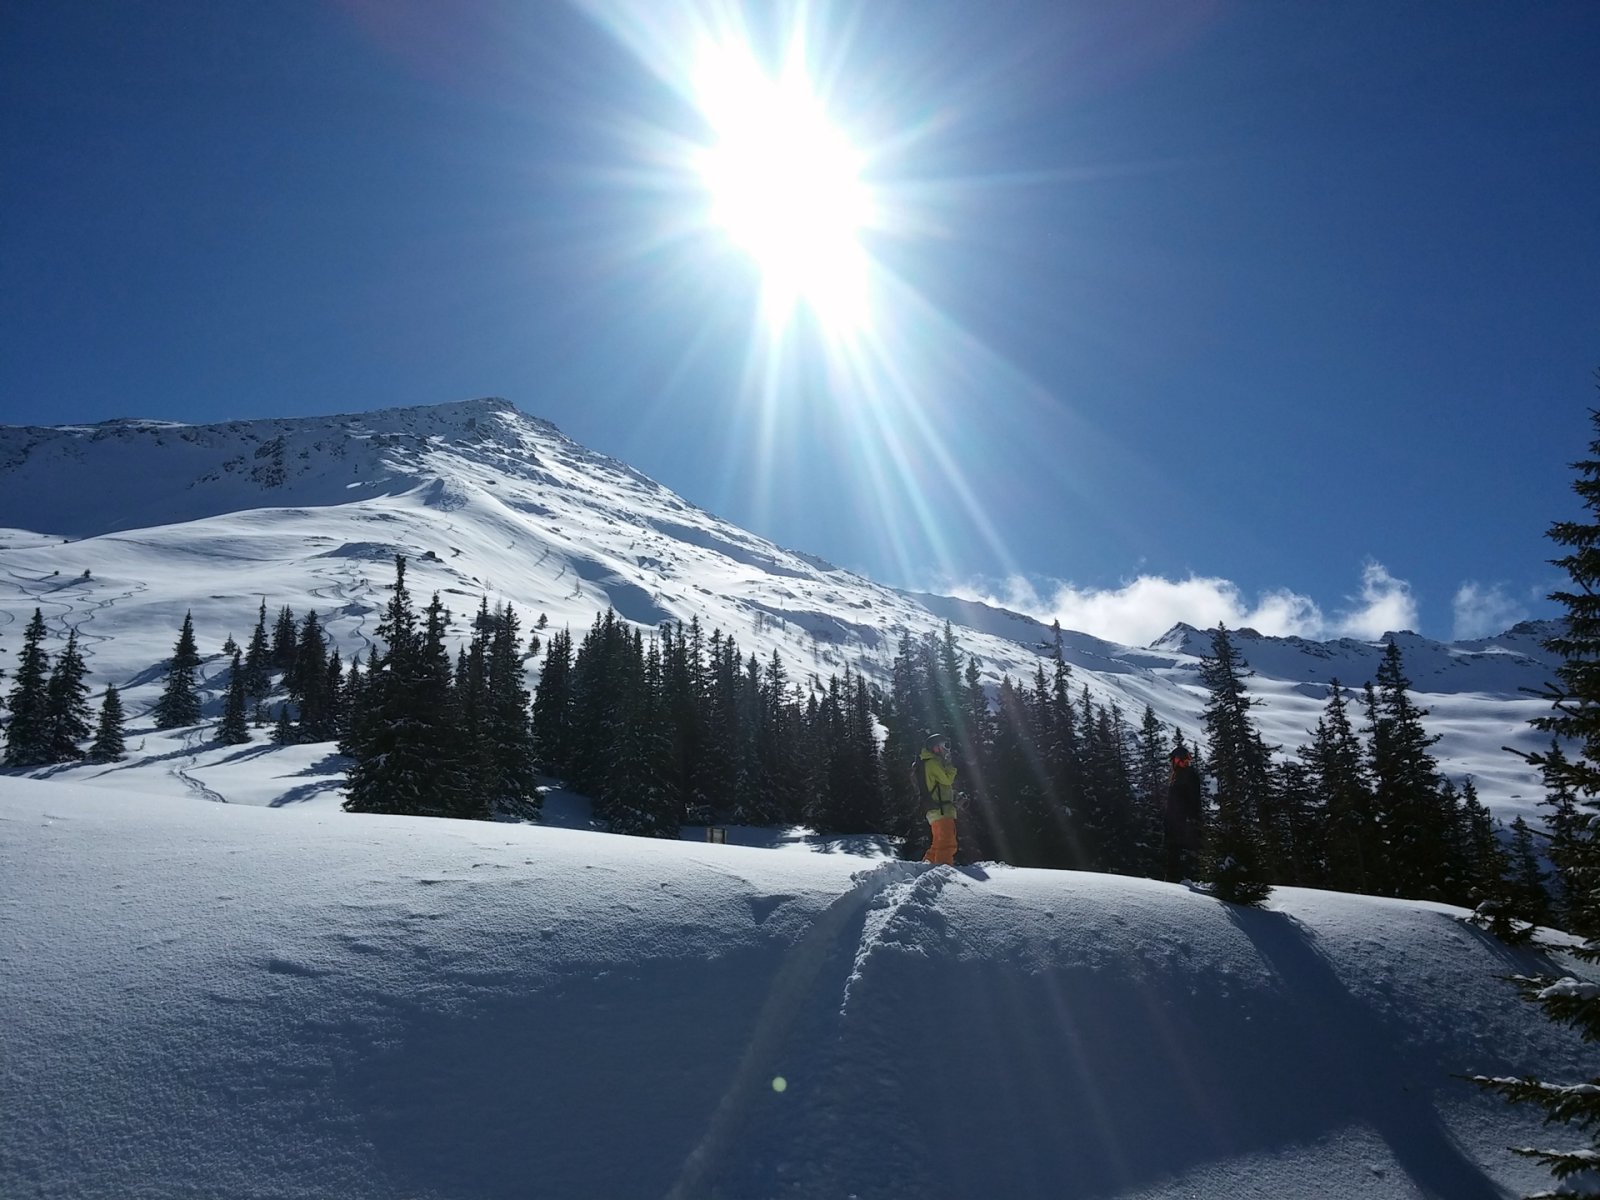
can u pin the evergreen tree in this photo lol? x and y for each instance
(67, 703)
(492, 702)
(634, 792)
(285, 641)
(552, 699)
(1302, 826)
(179, 704)
(1408, 794)
(1060, 760)
(510, 724)
(258, 659)
(1476, 868)
(1151, 770)
(307, 683)
(1568, 823)
(28, 741)
(404, 740)
(383, 778)
(1336, 762)
(331, 726)
(108, 740)
(1575, 719)
(351, 700)
(233, 730)
(683, 681)
(1240, 764)
(1530, 899)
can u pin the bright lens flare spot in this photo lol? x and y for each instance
(785, 185)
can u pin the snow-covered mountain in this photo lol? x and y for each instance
(206, 1000)
(118, 528)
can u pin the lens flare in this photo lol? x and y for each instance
(785, 185)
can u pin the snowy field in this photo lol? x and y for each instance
(225, 1001)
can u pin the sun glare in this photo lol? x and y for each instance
(785, 186)
(770, 173)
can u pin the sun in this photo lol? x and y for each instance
(785, 185)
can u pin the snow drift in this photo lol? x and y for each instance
(203, 1000)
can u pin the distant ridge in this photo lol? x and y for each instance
(489, 502)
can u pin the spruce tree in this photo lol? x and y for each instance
(307, 682)
(108, 740)
(283, 728)
(552, 698)
(351, 698)
(1150, 787)
(1408, 794)
(234, 729)
(1575, 718)
(67, 703)
(1241, 766)
(284, 641)
(1477, 866)
(28, 741)
(1567, 823)
(404, 738)
(258, 659)
(508, 727)
(1530, 900)
(1353, 852)
(179, 704)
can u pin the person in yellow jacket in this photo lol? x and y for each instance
(939, 782)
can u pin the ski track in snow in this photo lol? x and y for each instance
(341, 583)
(893, 915)
(180, 769)
(51, 596)
(890, 902)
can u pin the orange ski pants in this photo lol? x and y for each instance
(943, 850)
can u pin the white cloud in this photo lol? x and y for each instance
(1141, 610)
(1484, 610)
(1386, 605)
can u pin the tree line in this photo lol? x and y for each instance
(673, 726)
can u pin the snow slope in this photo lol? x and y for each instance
(203, 1001)
(486, 501)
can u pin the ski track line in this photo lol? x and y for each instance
(180, 770)
(86, 639)
(342, 601)
(787, 997)
(884, 911)
(367, 598)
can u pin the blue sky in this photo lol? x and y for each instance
(1282, 314)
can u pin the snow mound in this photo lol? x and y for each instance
(206, 1000)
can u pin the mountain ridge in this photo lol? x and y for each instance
(487, 501)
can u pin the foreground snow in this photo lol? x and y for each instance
(205, 1000)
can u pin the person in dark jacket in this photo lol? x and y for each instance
(1185, 806)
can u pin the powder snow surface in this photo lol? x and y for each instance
(217, 1001)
